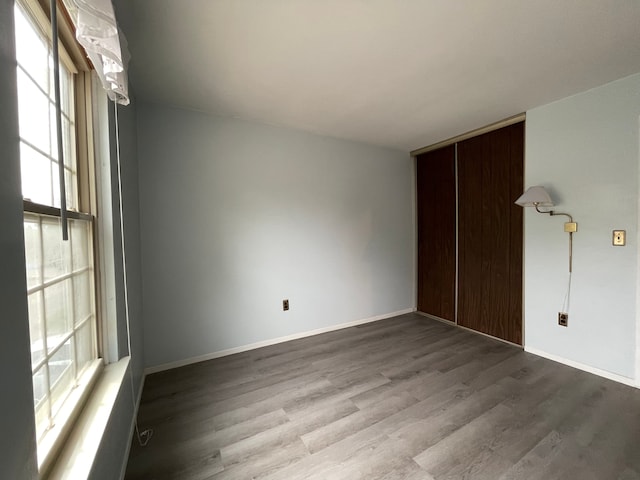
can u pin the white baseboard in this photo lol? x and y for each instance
(581, 366)
(273, 341)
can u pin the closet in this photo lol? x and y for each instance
(470, 232)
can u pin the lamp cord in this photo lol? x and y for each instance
(567, 297)
(144, 436)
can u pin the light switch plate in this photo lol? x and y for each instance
(619, 238)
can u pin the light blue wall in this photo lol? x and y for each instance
(584, 149)
(237, 216)
(17, 430)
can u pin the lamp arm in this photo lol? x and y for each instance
(552, 213)
(569, 227)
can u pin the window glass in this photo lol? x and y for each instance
(33, 109)
(36, 328)
(36, 188)
(56, 252)
(37, 118)
(32, 51)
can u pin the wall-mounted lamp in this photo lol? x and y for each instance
(538, 197)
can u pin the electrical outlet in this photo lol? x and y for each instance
(285, 305)
(563, 319)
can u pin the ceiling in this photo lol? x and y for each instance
(397, 73)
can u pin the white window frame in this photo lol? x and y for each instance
(54, 438)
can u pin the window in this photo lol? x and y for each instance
(38, 148)
(60, 274)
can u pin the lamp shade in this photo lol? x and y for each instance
(535, 197)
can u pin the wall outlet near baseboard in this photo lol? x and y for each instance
(285, 305)
(563, 319)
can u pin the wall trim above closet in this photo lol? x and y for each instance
(521, 117)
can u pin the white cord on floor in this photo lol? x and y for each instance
(144, 436)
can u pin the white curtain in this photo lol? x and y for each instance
(97, 31)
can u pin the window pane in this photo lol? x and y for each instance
(31, 50)
(36, 331)
(61, 374)
(70, 186)
(58, 312)
(41, 401)
(32, 250)
(39, 386)
(68, 139)
(69, 144)
(80, 239)
(36, 176)
(66, 91)
(33, 110)
(83, 296)
(57, 255)
(70, 182)
(85, 345)
(53, 132)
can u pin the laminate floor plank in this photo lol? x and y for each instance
(467, 442)
(406, 398)
(378, 462)
(425, 433)
(285, 433)
(408, 471)
(380, 394)
(259, 466)
(328, 462)
(306, 405)
(346, 426)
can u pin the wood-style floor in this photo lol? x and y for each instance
(404, 398)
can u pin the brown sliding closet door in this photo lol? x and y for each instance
(490, 178)
(437, 232)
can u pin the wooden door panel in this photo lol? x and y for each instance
(490, 178)
(470, 227)
(437, 232)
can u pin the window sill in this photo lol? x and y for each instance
(81, 447)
